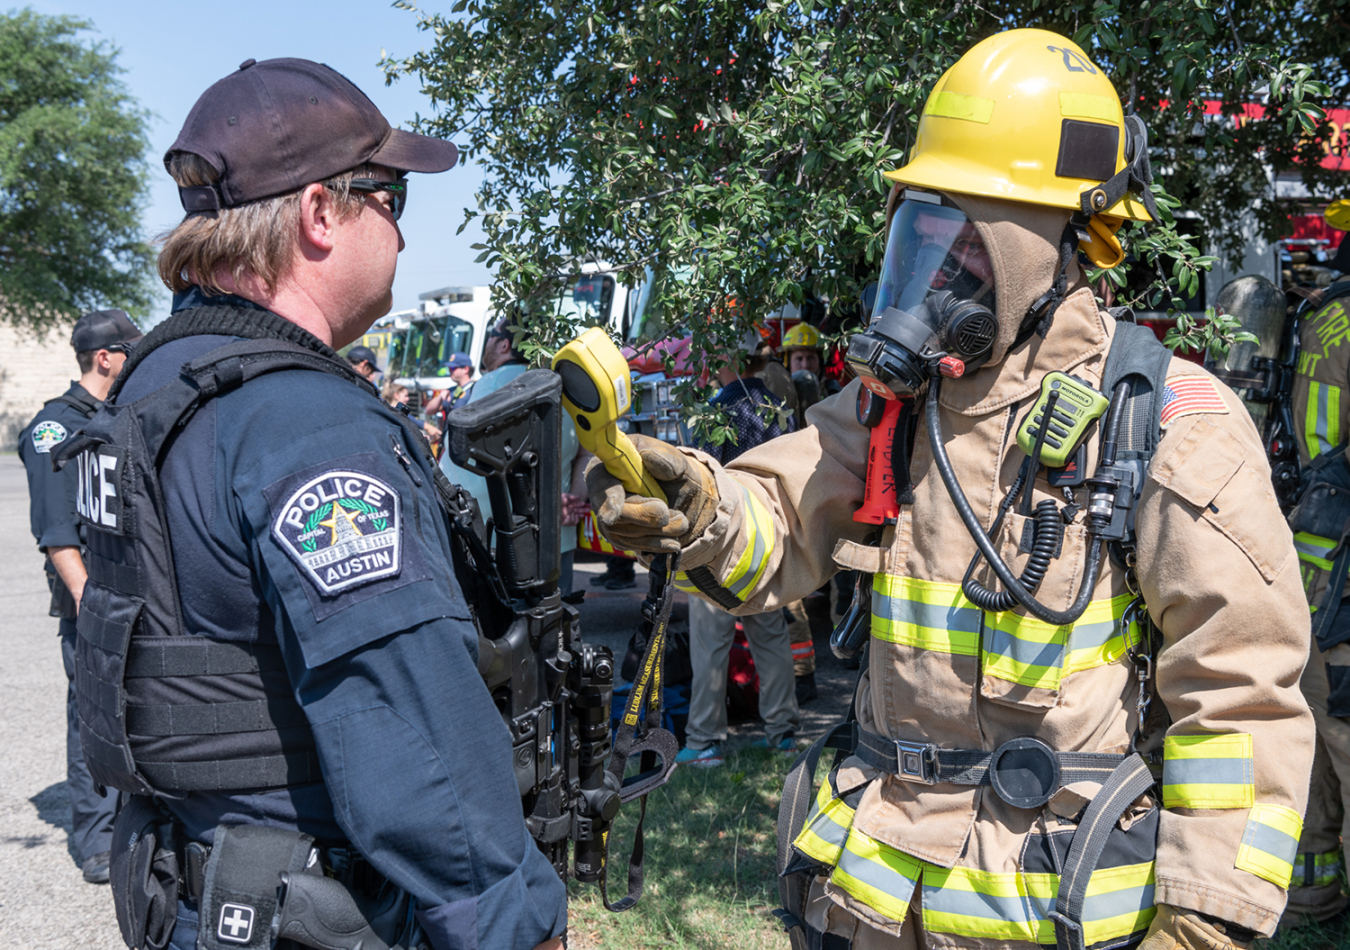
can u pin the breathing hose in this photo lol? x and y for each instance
(1014, 587)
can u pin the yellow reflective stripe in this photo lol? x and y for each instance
(876, 874)
(683, 583)
(1088, 106)
(1313, 549)
(759, 544)
(1099, 636)
(827, 828)
(1270, 843)
(1208, 771)
(1016, 906)
(929, 615)
(957, 105)
(1322, 422)
(1316, 870)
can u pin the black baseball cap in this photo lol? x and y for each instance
(358, 354)
(276, 126)
(101, 329)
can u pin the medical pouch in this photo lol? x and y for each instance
(144, 874)
(1320, 522)
(243, 878)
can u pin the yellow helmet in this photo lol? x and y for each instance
(1338, 214)
(1026, 116)
(801, 337)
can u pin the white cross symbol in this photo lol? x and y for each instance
(239, 919)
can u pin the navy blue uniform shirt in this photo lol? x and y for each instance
(300, 514)
(51, 495)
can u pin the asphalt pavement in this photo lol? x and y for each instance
(44, 902)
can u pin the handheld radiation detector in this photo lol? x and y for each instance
(1078, 405)
(595, 392)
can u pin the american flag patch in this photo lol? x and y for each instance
(1188, 395)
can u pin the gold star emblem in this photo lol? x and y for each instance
(346, 527)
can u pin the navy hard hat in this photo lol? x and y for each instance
(101, 329)
(359, 354)
(274, 127)
(459, 361)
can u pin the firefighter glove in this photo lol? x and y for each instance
(1176, 929)
(654, 525)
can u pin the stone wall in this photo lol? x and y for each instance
(32, 370)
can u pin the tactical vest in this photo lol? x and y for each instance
(151, 717)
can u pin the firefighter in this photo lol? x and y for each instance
(1320, 410)
(993, 791)
(801, 349)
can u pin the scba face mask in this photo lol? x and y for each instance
(935, 302)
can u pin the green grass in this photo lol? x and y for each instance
(710, 853)
(1312, 936)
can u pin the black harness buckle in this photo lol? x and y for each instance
(916, 762)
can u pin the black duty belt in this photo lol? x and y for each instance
(1025, 772)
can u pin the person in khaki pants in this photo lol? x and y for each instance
(1002, 788)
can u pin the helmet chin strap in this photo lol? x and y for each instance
(1041, 313)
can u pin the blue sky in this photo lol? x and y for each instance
(171, 52)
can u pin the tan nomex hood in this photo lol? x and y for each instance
(1023, 244)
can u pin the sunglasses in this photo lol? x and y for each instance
(396, 189)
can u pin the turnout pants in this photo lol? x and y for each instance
(91, 813)
(711, 632)
(1315, 890)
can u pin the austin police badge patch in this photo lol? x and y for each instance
(47, 435)
(343, 529)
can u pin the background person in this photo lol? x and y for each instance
(100, 340)
(747, 400)
(309, 546)
(364, 361)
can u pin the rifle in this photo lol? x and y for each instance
(553, 690)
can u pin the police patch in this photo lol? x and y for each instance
(47, 435)
(343, 528)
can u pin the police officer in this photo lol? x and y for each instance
(293, 699)
(993, 792)
(100, 340)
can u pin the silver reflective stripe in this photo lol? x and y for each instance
(1216, 771)
(877, 875)
(1129, 900)
(1001, 643)
(1088, 635)
(828, 830)
(1270, 840)
(951, 900)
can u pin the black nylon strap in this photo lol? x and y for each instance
(706, 581)
(1129, 780)
(971, 766)
(199, 656)
(210, 719)
(269, 771)
(86, 407)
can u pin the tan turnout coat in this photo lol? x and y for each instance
(1218, 571)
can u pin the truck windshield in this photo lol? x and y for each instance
(586, 298)
(425, 347)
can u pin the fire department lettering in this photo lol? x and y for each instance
(343, 530)
(98, 496)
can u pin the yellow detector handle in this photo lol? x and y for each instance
(595, 392)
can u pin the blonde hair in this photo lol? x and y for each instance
(257, 238)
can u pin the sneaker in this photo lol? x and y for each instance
(96, 867)
(806, 688)
(700, 758)
(788, 744)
